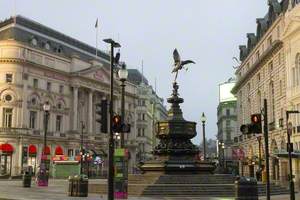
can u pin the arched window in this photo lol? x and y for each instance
(296, 71)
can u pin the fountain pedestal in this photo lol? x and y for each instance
(175, 152)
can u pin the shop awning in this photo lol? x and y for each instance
(6, 148)
(32, 150)
(59, 151)
(47, 150)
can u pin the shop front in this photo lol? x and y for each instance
(6, 153)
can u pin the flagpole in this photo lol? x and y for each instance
(96, 38)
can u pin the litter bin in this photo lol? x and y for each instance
(76, 186)
(83, 186)
(71, 182)
(26, 179)
(246, 189)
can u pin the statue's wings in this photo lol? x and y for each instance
(176, 56)
(187, 62)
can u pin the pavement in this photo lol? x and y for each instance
(57, 190)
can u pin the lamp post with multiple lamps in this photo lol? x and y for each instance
(222, 154)
(290, 149)
(43, 175)
(123, 74)
(110, 187)
(203, 120)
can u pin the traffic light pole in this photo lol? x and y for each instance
(111, 134)
(267, 148)
(289, 132)
(122, 112)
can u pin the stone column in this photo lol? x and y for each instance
(75, 108)
(90, 112)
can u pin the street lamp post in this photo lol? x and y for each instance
(43, 173)
(123, 74)
(110, 187)
(259, 157)
(289, 133)
(81, 147)
(203, 120)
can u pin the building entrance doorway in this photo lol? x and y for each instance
(251, 170)
(275, 169)
(5, 164)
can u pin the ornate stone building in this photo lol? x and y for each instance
(149, 109)
(269, 71)
(38, 65)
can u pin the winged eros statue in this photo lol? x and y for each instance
(179, 64)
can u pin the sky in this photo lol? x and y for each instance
(206, 31)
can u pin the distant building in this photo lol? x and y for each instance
(227, 118)
(149, 109)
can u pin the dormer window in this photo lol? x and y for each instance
(47, 46)
(34, 41)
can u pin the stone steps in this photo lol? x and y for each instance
(201, 185)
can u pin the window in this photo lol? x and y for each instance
(257, 55)
(139, 132)
(143, 132)
(9, 78)
(58, 123)
(143, 116)
(61, 89)
(34, 41)
(228, 123)
(270, 65)
(227, 112)
(35, 83)
(48, 86)
(32, 119)
(280, 87)
(258, 77)
(70, 153)
(228, 135)
(47, 46)
(270, 41)
(8, 98)
(7, 117)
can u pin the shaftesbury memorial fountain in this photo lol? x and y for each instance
(175, 152)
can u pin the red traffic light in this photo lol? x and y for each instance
(256, 118)
(116, 119)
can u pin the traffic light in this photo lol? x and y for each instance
(116, 124)
(101, 110)
(256, 123)
(254, 127)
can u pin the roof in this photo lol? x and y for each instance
(136, 77)
(27, 29)
(276, 7)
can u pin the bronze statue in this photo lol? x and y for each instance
(178, 64)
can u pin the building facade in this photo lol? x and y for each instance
(268, 71)
(227, 128)
(39, 65)
(150, 108)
